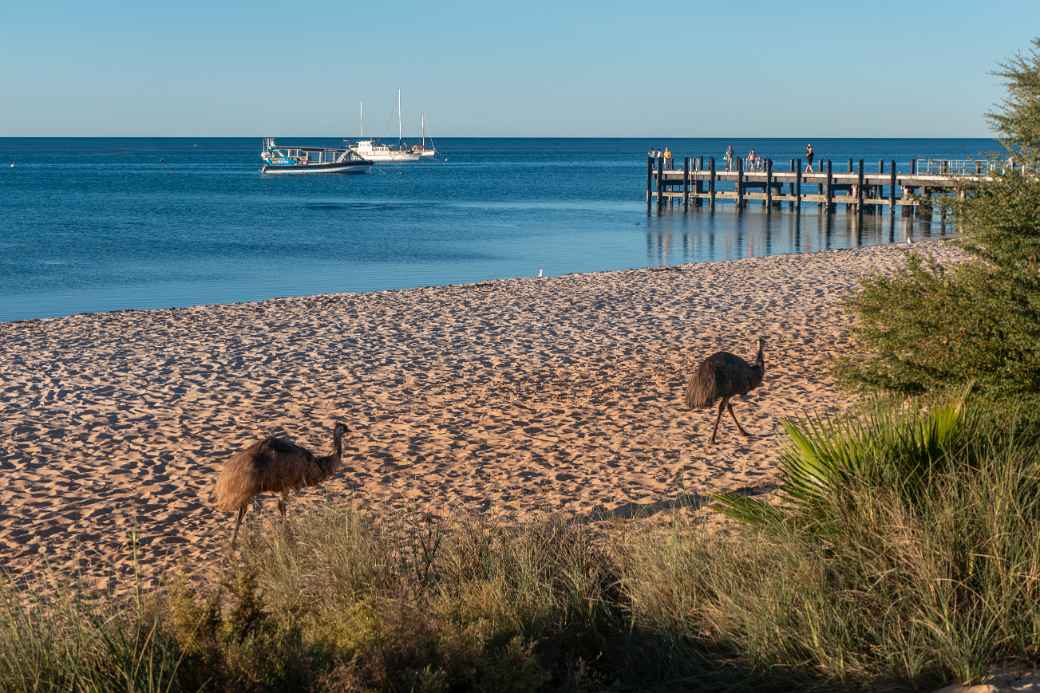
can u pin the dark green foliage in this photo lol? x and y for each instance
(929, 328)
(826, 463)
(1018, 120)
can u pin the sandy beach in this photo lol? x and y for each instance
(506, 398)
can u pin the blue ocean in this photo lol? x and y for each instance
(94, 224)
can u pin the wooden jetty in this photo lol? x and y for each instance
(912, 187)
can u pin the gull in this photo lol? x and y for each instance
(541, 273)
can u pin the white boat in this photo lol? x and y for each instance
(421, 149)
(372, 150)
(296, 159)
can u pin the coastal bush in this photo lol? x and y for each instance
(928, 328)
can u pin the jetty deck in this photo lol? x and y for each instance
(911, 186)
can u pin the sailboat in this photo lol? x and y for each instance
(372, 150)
(421, 149)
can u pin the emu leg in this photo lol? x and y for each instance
(282, 503)
(722, 407)
(238, 523)
(730, 407)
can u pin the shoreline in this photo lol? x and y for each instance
(505, 398)
(928, 241)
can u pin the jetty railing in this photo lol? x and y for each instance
(971, 167)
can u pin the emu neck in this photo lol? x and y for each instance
(760, 360)
(338, 446)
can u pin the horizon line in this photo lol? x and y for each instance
(523, 137)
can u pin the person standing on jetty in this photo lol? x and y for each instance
(728, 158)
(809, 154)
(667, 157)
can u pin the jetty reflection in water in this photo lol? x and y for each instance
(703, 236)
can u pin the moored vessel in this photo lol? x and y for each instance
(422, 149)
(373, 150)
(284, 159)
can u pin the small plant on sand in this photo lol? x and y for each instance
(824, 462)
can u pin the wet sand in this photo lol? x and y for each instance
(506, 398)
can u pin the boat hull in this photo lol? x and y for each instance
(395, 158)
(331, 167)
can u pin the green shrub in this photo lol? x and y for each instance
(928, 328)
(884, 447)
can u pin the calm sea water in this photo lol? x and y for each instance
(99, 224)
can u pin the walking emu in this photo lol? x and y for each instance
(273, 465)
(722, 376)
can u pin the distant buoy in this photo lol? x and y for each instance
(12, 164)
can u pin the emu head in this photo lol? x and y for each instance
(330, 465)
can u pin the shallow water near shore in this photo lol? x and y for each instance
(91, 224)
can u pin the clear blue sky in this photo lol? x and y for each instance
(486, 68)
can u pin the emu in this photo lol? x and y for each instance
(273, 465)
(723, 376)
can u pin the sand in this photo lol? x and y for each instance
(507, 398)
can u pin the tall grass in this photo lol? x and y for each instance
(893, 588)
(67, 643)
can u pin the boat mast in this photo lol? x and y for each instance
(422, 129)
(362, 136)
(400, 130)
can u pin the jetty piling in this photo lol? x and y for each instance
(686, 184)
(892, 188)
(711, 183)
(829, 201)
(769, 186)
(798, 184)
(740, 185)
(859, 190)
(660, 184)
